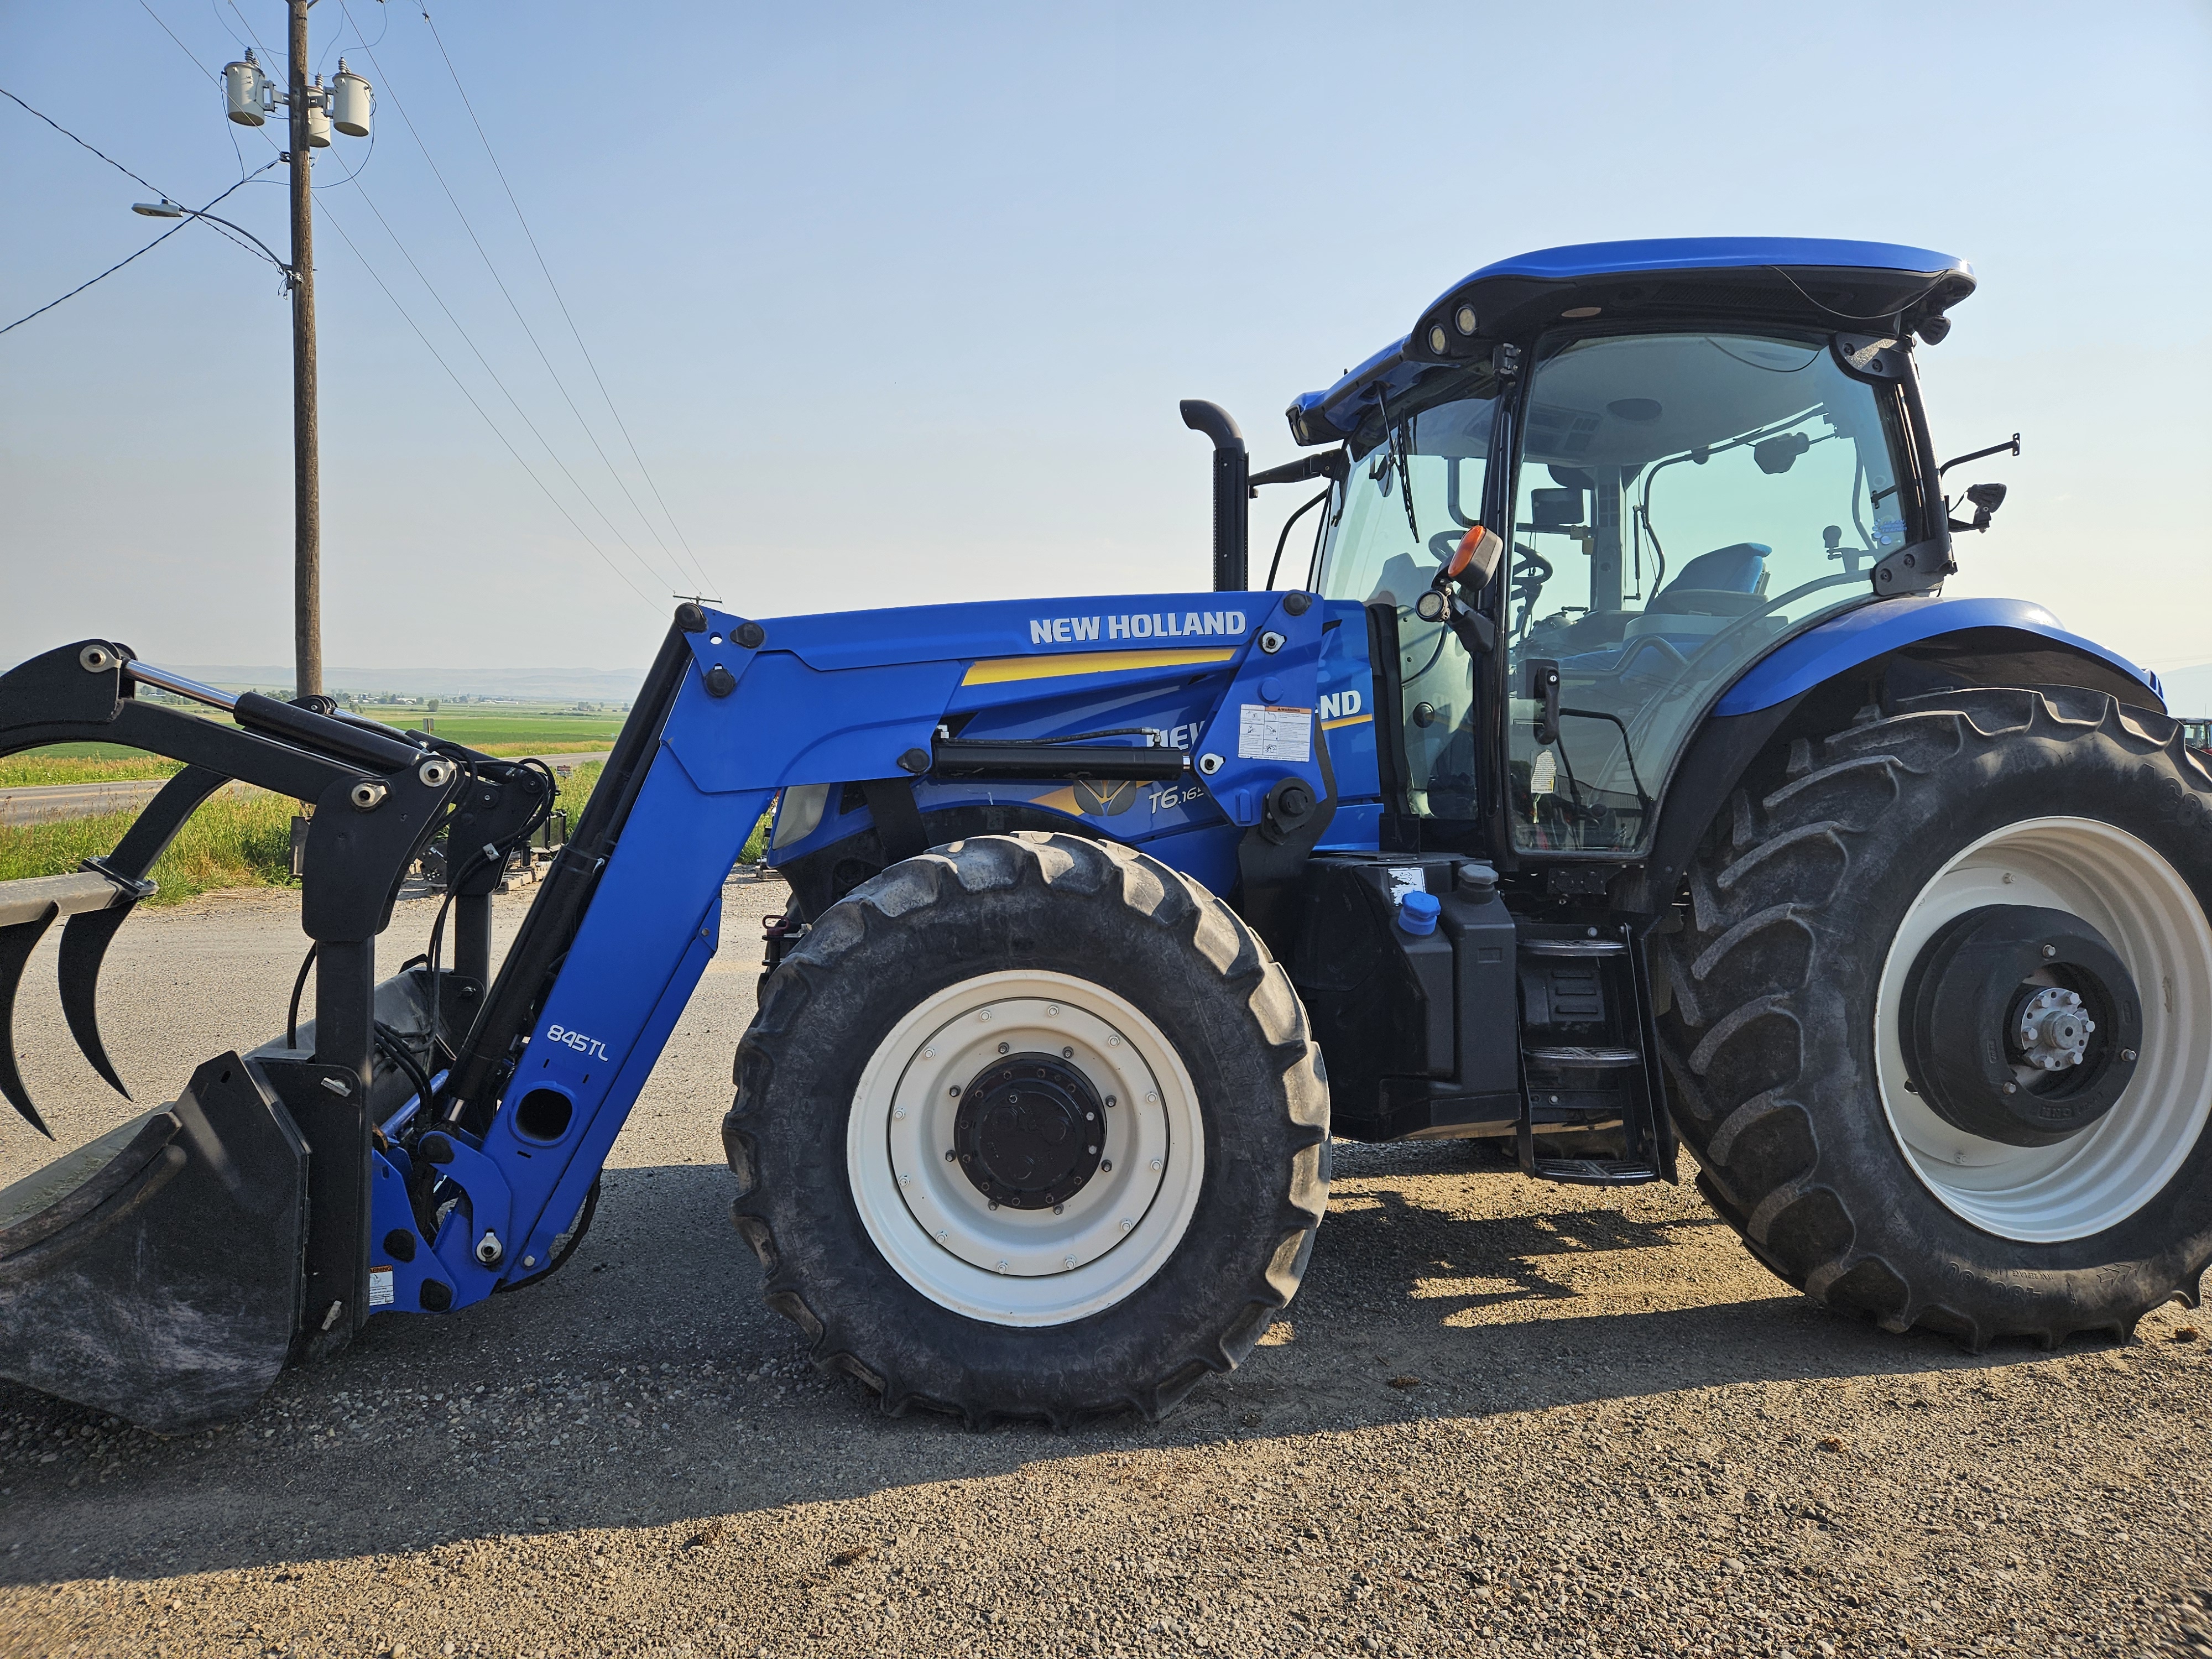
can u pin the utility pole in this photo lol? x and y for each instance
(307, 460)
(312, 111)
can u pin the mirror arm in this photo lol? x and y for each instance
(1330, 464)
(2011, 447)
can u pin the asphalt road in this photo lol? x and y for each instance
(1502, 1419)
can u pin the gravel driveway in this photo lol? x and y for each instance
(1503, 1417)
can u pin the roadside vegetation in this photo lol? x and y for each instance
(233, 841)
(116, 764)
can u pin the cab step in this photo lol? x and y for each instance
(1589, 1074)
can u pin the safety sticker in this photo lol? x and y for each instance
(1406, 878)
(1267, 732)
(1543, 774)
(379, 1287)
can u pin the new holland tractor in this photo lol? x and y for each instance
(1616, 777)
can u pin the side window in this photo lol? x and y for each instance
(1683, 500)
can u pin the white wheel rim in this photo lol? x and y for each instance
(2147, 913)
(1006, 1265)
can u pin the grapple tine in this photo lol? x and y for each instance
(84, 948)
(86, 939)
(16, 944)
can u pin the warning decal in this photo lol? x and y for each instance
(1265, 731)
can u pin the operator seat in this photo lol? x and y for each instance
(1728, 581)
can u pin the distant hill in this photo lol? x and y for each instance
(556, 684)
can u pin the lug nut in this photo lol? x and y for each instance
(1005, 1046)
(950, 1156)
(1106, 1165)
(1067, 1054)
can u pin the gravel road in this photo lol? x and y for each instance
(1503, 1417)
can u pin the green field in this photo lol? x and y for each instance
(233, 841)
(243, 840)
(496, 732)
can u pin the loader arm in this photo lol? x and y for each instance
(927, 717)
(422, 1142)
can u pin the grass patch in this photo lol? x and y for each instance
(106, 763)
(233, 841)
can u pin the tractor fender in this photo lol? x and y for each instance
(1984, 641)
(1842, 643)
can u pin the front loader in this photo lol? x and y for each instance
(1616, 777)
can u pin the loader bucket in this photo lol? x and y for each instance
(157, 1273)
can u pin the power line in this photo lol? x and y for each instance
(558, 505)
(74, 139)
(621, 425)
(401, 309)
(500, 282)
(469, 340)
(119, 264)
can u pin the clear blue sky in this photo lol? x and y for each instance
(898, 301)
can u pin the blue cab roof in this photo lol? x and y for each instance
(1802, 279)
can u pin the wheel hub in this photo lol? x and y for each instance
(1029, 1131)
(2019, 1024)
(2052, 1028)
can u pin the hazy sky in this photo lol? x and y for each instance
(896, 302)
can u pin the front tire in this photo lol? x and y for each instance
(1795, 1066)
(913, 1132)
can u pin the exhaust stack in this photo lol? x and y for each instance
(1232, 493)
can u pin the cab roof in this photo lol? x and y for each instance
(1792, 280)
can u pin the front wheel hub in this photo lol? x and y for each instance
(2019, 1024)
(1029, 1132)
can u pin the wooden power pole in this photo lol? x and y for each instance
(306, 469)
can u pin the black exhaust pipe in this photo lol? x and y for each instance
(1232, 493)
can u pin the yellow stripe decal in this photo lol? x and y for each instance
(997, 671)
(1349, 719)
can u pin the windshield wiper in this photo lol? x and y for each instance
(1402, 440)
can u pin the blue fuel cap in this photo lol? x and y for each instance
(1417, 913)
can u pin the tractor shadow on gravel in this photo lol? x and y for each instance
(647, 1386)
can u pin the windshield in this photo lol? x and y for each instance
(1683, 501)
(1377, 549)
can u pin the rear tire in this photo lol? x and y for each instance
(1809, 908)
(1104, 1288)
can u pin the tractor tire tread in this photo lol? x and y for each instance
(1151, 895)
(1742, 1039)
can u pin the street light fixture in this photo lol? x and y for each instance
(169, 210)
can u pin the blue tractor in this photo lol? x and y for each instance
(1614, 775)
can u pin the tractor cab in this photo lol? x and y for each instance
(1691, 450)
